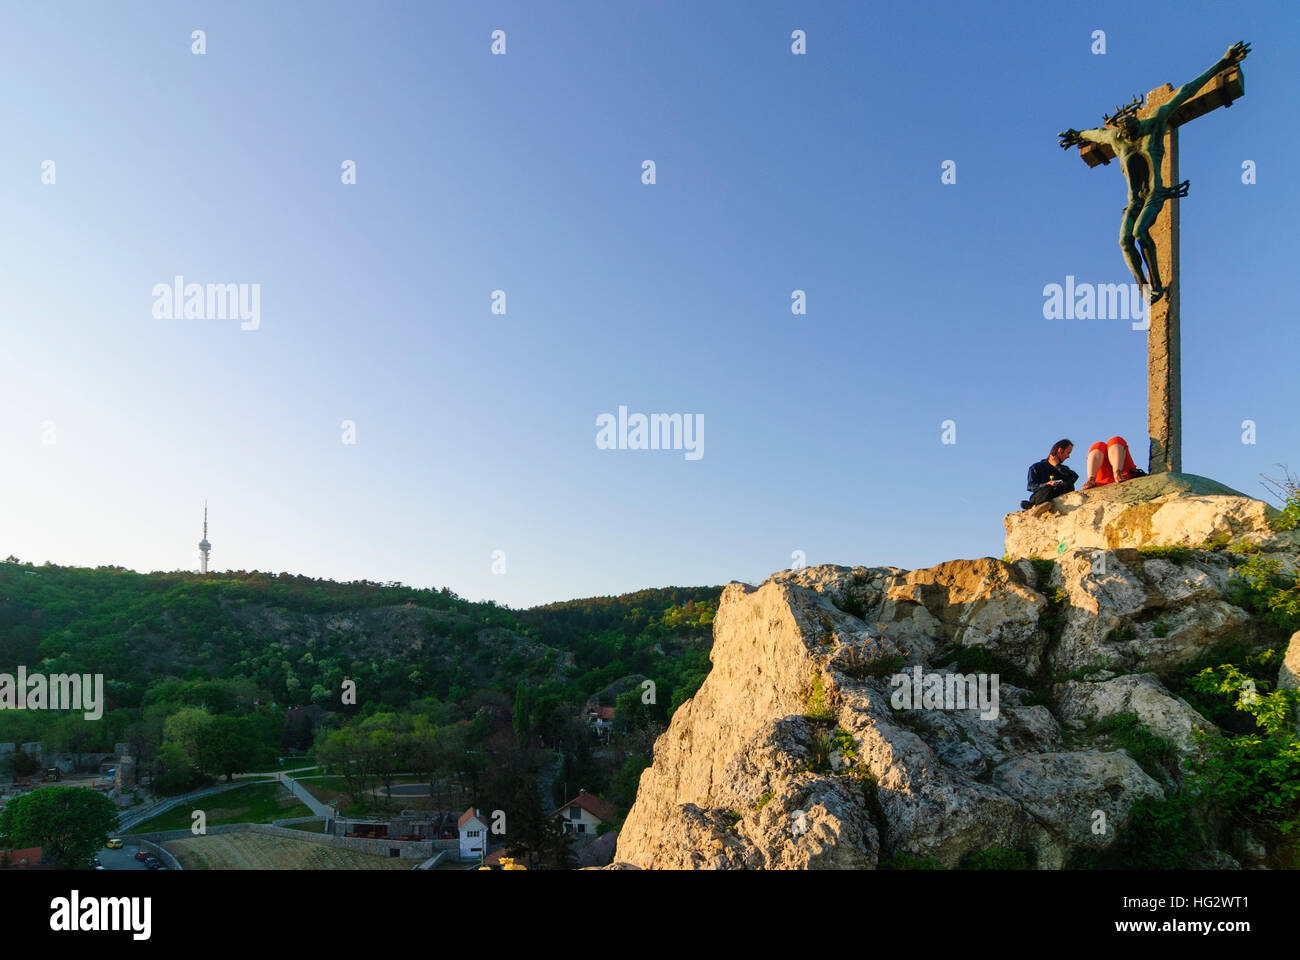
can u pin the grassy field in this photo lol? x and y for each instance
(255, 803)
(329, 790)
(255, 851)
(317, 827)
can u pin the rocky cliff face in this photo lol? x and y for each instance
(796, 752)
(1165, 509)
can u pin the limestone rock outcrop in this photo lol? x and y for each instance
(1165, 509)
(797, 753)
(1139, 693)
(1288, 677)
(598, 853)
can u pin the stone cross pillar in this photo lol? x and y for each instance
(1164, 358)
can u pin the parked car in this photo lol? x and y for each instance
(114, 844)
(142, 854)
(153, 863)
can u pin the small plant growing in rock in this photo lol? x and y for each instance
(885, 665)
(853, 658)
(763, 800)
(842, 742)
(1085, 671)
(1052, 620)
(819, 761)
(832, 751)
(1166, 553)
(1035, 698)
(1273, 712)
(1287, 489)
(852, 602)
(1218, 542)
(1042, 571)
(819, 707)
(1154, 754)
(1260, 588)
(961, 659)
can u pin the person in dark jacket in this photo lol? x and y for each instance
(1051, 477)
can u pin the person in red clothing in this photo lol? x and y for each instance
(1109, 462)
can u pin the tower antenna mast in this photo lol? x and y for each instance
(204, 546)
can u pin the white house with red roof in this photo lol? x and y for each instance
(473, 834)
(584, 813)
(601, 720)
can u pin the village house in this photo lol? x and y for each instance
(473, 834)
(584, 813)
(601, 720)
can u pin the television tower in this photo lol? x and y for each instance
(204, 546)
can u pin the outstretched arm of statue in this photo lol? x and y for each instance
(1072, 137)
(1236, 53)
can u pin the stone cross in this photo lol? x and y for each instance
(1164, 389)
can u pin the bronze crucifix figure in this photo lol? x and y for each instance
(1140, 144)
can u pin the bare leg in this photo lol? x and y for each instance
(1115, 453)
(1094, 464)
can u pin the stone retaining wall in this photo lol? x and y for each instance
(434, 860)
(164, 855)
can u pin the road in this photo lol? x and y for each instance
(123, 859)
(405, 790)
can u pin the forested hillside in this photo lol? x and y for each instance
(270, 654)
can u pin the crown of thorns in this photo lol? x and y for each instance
(1129, 110)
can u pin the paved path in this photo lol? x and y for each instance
(405, 790)
(305, 795)
(273, 774)
(132, 818)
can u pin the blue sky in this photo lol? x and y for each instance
(476, 432)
